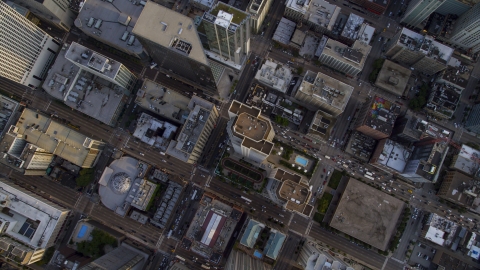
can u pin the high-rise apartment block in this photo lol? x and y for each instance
(172, 41)
(189, 144)
(473, 121)
(250, 133)
(420, 52)
(466, 32)
(319, 91)
(30, 223)
(227, 32)
(123, 257)
(347, 60)
(26, 51)
(112, 24)
(258, 10)
(53, 11)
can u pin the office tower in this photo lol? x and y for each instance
(30, 223)
(53, 11)
(189, 144)
(172, 41)
(419, 10)
(421, 53)
(347, 60)
(25, 50)
(227, 32)
(322, 92)
(473, 121)
(251, 134)
(466, 32)
(112, 24)
(258, 10)
(376, 117)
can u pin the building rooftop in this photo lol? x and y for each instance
(206, 3)
(410, 39)
(441, 231)
(327, 89)
(457, 73)
(211, 229)
(352, 26)
(154, 132)
(367, 214)
(170, 29)
(250, 235)
(467, 160)
(444, 99)
(284, 31)
(163, 101)
(365, 33)
(426, 45)
(121, 257)
(322, 124)
(228, 14)
(355, 55)
(82, 90)
(394, 155)
(322, 13)
(275, 75)
(427, 167)
(294, 190)
(194, 126)
(393, 78)
(360, 146)
(274, 244)
(92, 60)
(111, 21)
(26, 217)
(462, 189)
(418, 128)
(122, 185)
(382, 3)
(382, 115)
(57, 139)
(436, 50)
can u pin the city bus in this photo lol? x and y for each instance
(369, 177)
(180, 258)
(246, 200)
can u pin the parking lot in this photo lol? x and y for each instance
(422, 256)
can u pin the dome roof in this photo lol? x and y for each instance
(120, 183)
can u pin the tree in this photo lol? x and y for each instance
(85, 177)
(95, 247)
(281, 121)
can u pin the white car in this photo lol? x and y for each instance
(142, 154)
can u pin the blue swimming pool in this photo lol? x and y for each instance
(301, 160)
(82, 231)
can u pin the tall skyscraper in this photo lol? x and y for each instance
(466, 32)
(419, 10)
(25, 50)
(473, 121)
(227, 32)
(53, 11)
(172, 41)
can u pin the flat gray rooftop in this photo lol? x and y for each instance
(367, 214)
(393, 78)
(83, 91)
(113, 19)
(327, 89)
(352, 26)
(284, 31)
(89, 59)
(171, 30)
(163, 101)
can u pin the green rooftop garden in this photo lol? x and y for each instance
(238, 15)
